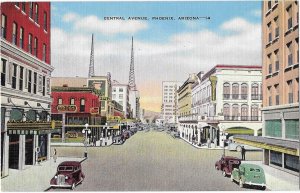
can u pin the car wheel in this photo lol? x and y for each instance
(231, 178)
(73, 186)
(241, 183)
(224, 173)
(239, 148)
(264, 188)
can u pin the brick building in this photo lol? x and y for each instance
(25, 84)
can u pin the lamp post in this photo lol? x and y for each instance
(87, 131)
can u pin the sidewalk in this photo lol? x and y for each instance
(203, 146)
(33, 178)
(109, 142)
(278, 180)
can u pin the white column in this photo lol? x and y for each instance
(35, 145)
(21, 152)
(49, 146)
(6, 145)
(199, 135)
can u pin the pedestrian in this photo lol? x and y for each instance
(55, 155)
(95, 140)
(243, 152)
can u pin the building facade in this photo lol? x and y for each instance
(120, 93)
(134, 101)
(25, 84)
(280, 32)
(169, 108)
(227, 100)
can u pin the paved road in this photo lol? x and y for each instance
(152, 161)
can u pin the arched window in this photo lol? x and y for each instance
(244, 112)
(226, 111)
(82, 105)
(235, 91)
(244, 91)
(235, 112)
(72, 101)
(226, 90)
(254, 112)
(254, 91)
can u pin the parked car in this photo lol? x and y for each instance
(118, 140)
(249, 174)
(233, 146)
(69, 174)
(226, 164)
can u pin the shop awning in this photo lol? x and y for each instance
(284, 146)
(32, 127)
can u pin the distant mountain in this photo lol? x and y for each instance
(151, 115)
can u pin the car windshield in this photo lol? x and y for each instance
(65, 168)
(254, 170)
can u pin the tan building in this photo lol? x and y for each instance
(185, 96)
(280, 75)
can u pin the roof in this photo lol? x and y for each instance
(70, 81)
(247, 165)
(68, 163)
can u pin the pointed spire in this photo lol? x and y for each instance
(91, 67)
(131, 83)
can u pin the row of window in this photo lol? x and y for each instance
(18, 38)
(202, 94)
(292, 87)
(240, 112)
(120, 96)
(33, 12)
(32, 80)
(72, 102)
(291, 51)
(115, 89)
(170, 101)
(273, 128)
(287, 161)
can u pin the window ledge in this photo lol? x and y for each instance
(45, 31)
(275, 73)
(37, 24)
(295, 27)
(288, 68)
(296, 66)
(268, 76)
(17, 7)
(23, 12)
(274, 6)
(288, 31)
(268, 44)
(31, 19)
(275, 40)
(268, 12)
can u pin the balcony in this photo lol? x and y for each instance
(242, 118)
(235, 96)
(191, 117)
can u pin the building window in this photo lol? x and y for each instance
(269, 31)
(235, 112)
(290, 53)
(45, 21)
(297, 50)
(3, 26)
(30, 43)
(35, 49)
(114, 96)
(235, 91)
(21, 75)
(17, 4)
(14, 77)
(114, 89)
(270, 63)
(3, 72)
(290, 91)
(120, 89)
(60, 101)
(254, 112)
(44, 85)
(23, 7)
(82, 105)
(269, 5)
(34, 82)
(226, 90)
(292, 129)
(276, 158)
(44, 52)
(276, 27)
(14, 33)
(36, 13)
(276, 60)
(22, 37)
(273, 128)
(29, 81)
(244, 91)
(291, 162)
(290, 18)
(270, 95)
(277, 94)
(120, 96)
(31, 10)
(72, 101)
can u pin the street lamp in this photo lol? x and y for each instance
(87, 131)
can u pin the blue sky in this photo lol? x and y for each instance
(164, 50)
(161, 30)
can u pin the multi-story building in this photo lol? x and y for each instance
(25, 84)
(226, 99)
(280, 43)
(169, 101)
(134, 101)
(120, 93)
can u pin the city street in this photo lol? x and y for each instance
(152, 161)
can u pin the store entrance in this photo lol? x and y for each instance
(29, 150)
(13, 151)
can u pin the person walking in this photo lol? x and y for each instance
(55, 155)
(243, 152)
(95, 139)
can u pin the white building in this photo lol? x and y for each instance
(169, 109)
(227, 100)
(120, 93)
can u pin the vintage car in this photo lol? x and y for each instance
(249, 174)
(69, 174)
(226, 164)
